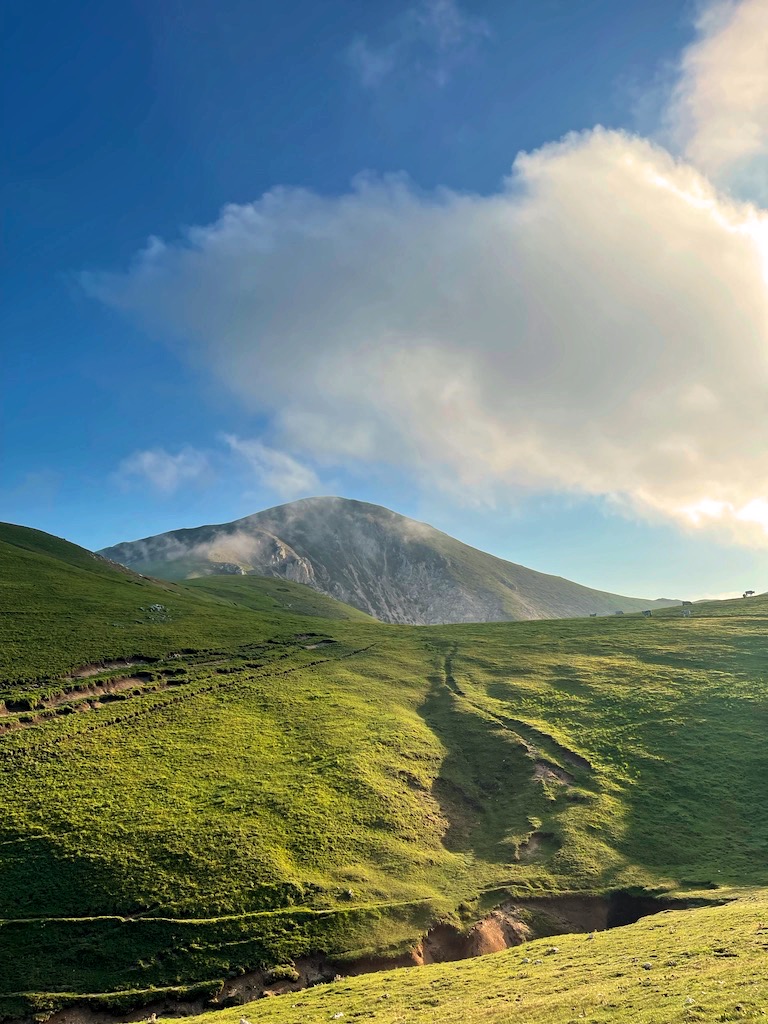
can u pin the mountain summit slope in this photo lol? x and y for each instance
(394, 568)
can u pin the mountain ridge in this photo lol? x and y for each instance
(385, 564)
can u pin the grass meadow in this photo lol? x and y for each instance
(257, 784)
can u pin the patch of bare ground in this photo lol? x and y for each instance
(498, 930)
(308, 972)
(442, 943)
(107, 687)
(106, 666)
(538, 844)
(546, 771)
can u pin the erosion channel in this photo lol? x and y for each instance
(511, 923)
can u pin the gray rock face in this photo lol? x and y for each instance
(387, 565)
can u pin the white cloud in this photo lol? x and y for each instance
(371, 65)
(719, 112)
(432, 38)
(276, 470)
(598, 326)
(162, 471)
(241, 460)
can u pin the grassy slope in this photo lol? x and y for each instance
(674, 968)
(62, 607)
(281, 799)
(265, 594)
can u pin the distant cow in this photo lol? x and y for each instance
(593, 615)
(648, 613)
(749, 593)
(618, 613)
(687, 604)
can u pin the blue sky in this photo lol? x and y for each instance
(134, 401)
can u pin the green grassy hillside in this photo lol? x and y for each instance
(230, 789)
(62, 607)
(264, 594)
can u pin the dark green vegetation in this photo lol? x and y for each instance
(264, 594)
(258, 785)
(393, 568)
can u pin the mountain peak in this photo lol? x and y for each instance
(395, 568)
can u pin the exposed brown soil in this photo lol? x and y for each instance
(83, 698)
(501, 929)
(109, 686)
(442, 943)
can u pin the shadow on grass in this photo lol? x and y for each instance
(485, 788)
(699, 808)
